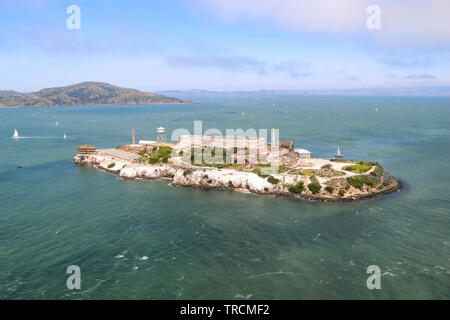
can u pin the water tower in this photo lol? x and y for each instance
(161, 134)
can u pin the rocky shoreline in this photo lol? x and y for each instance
(214, 178)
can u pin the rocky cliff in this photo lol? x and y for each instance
(231, 179)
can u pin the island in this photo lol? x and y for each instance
(188, 163)
(85, 93)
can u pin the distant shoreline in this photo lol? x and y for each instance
(92, 105)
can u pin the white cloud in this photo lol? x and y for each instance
(403, 22)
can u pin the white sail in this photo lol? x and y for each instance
(65, 137)
(16, 134)
(338, 154)
(57, 123)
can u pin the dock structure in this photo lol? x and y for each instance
(85, 150)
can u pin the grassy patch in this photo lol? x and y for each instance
(308, 172)
(272, 180)
(329, 189)
(377, 172)
(359, 181)
(156, 155)
(358, 168)
(111, 165)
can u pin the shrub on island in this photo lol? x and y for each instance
(314, 186)
(272, 180)
(329, 189)
(154, 159)
(143, 152)
(297, 188)
(111, 165)
(186, 172)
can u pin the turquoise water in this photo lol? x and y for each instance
(220, 244)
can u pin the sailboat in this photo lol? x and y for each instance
(338, 153)
(16, 134)
(65, 137)
(57, 124)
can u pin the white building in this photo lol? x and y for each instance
(303, 153)
(189, 141)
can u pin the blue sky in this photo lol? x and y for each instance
(225, 45)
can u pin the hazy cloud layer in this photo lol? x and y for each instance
(293, 68)
(232, 63)
(420, 76)
(405, 61)
(403, 22)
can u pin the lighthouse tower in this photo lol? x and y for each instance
(161, 134)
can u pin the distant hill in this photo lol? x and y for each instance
(85, 93)
(375, 91)
(9, 93)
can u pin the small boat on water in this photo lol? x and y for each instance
(338, 153)
(57, 124)
(16, 134)
(65, 137)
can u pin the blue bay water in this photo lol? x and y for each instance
(211, 244)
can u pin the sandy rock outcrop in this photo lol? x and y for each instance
(223, 179)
